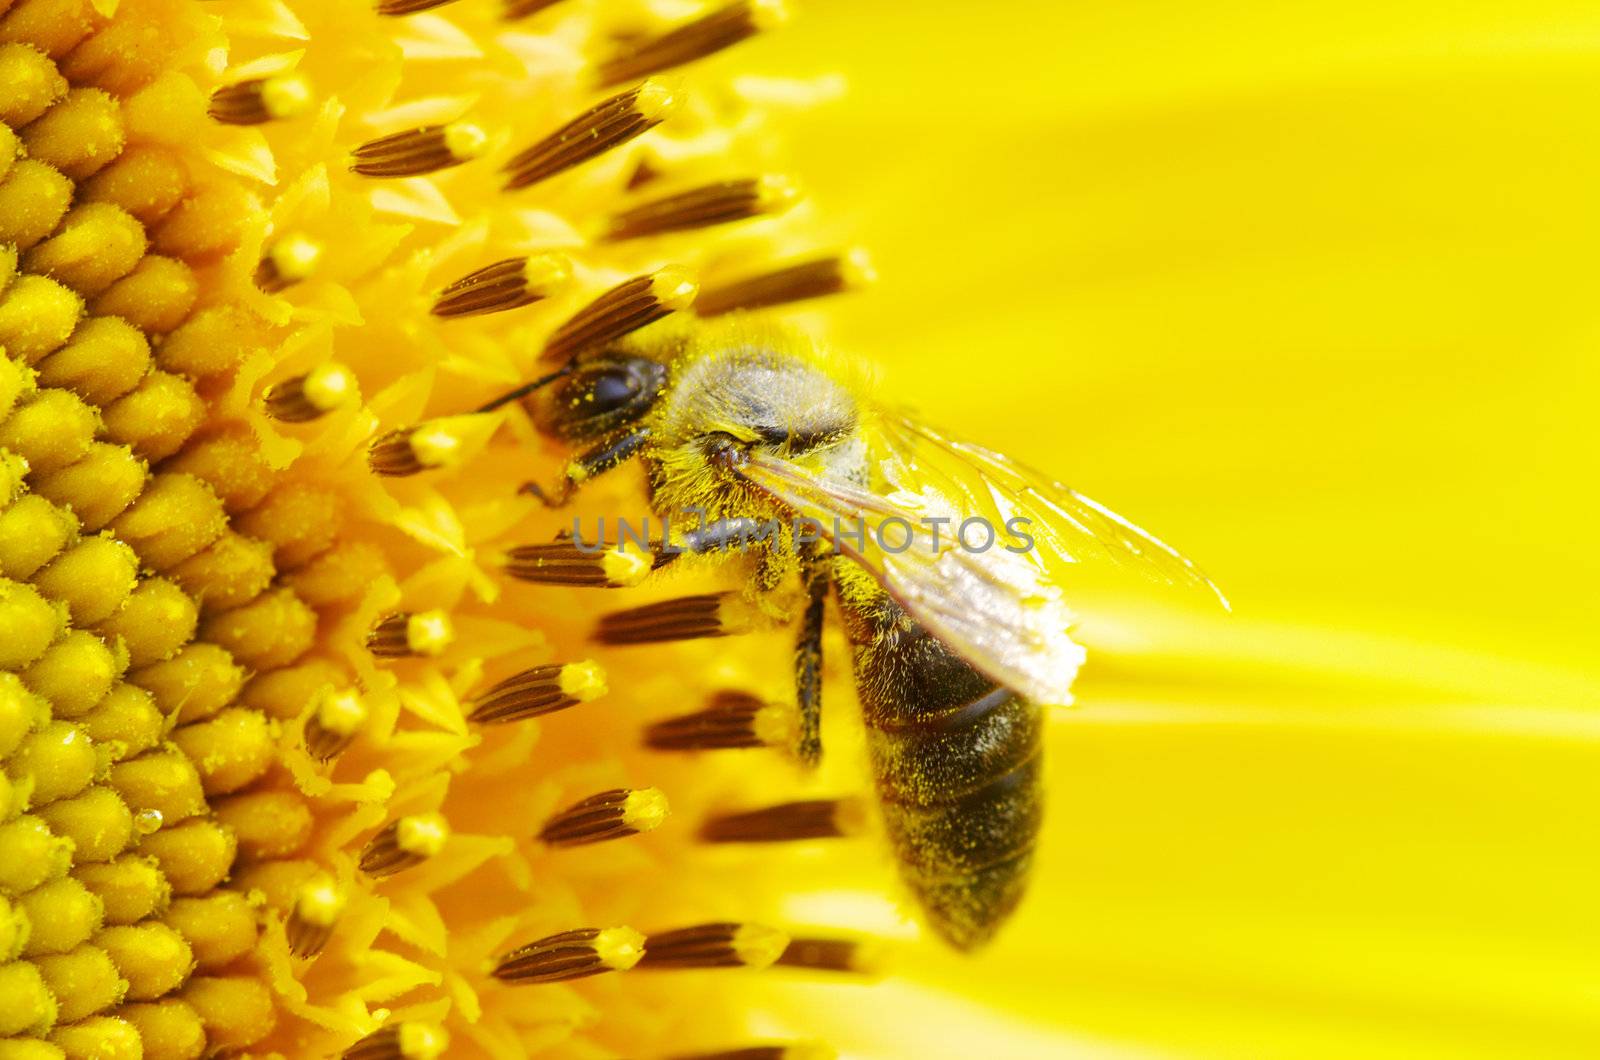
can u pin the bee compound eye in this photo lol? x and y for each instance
(612, 390)
(599, 398)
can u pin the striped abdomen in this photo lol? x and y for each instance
(956, 760)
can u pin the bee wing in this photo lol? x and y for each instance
(1067, 527)
(994, 608)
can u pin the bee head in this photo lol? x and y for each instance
(599, 396)
(744, 393)
(745, 398)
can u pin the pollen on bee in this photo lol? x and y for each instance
(563, 563)
(403, 633)
(604, 126)
(720, 945)
(806, 819)
(287, 262)
(815, 278)
(508, 284)
(418, 151)
(608, 815)
(334, 722)
(407, 1040)
(403, 843)
(733, 720)
(625, 308)
(311, 394)
(540, 690)
(693, 40)
(711, 204)
(572, 955)
(318, 904)
(261, 99)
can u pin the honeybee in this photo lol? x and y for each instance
(948, 562)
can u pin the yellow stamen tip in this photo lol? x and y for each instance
(465, 140)
(619, 948)
(769, 14)
(295, 256)
(674, 288)
(429, 632)
(776, 192)
(583, 681)
(320, 901)
(644, 809)
(342, 712)
(758, 946)
(624, 569)
(856, 268)
(329, 385)
(655, 101)
(544, 273)
(422, 835)
(286, 96)
(422, 1041)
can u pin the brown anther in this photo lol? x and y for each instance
(807, 819)
(855, 956)
(597, 130)
(608, 815)
(816, 278)
(409, 1040)
(734, 719)
(311, 394)
(318, 904)
(789, 1051)
(508, 284)
(404, 842)
(402, 633)
(334, 722)
(409, 7)
(541, 690)
(720, 29)
(424, 447)
(627, 307)
(564, 563)
(524, 8)
(712, 204)
(725, 945)
(417, 151)
(287, 262)
(261, 99)
(685, 618)
(572, 955)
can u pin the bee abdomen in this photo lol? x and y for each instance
(957, 764)
(964, 853)
(931, 758)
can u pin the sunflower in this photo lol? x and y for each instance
(269, 676)
(295, 760)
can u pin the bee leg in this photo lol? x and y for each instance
(808, 666)
(610, 453)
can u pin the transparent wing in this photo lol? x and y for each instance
(1067, 527)
(994, 608)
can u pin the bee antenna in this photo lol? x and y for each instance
(526, 388)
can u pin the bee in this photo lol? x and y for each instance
(947, 561)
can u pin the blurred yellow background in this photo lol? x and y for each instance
(1309, 289)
